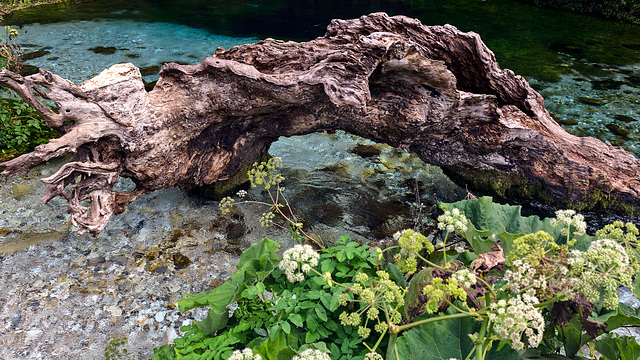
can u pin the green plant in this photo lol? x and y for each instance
(522, 288)
(21, 127)
(115, 349)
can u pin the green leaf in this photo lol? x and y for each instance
(491, 222)
(311, 337)
(322, 314)
(286, 327)
(624, 315)
(397, 275)
(446, 339)
(213, 322)
(296, 319)
(573, 337)
(312, 323)
(219, 298)
(618, 347)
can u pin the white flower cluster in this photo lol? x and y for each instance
(518, 321)
(465, 278)
(311, 354)
(246, 354)
(602, 269)
(373, 356)
(452, 221)
(298, 261)
(570, 218)
(524, 276)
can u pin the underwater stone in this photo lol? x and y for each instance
(591, 101)
(633, 80)
(180, 261)
(21, 190)
(27, 70)
(35, 54)
(617, 130)
(568, 121)
(110, 50)
(624, 118)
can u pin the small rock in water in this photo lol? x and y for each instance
(615, 129)
(109, 50)
(591, 101)
(624, 118)
(22, 190)
(568, 121)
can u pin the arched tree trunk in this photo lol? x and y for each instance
(432, 90)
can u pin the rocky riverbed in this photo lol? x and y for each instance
(67, 296)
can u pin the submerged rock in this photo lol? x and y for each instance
(34, 54)
(624, 118)
(110, 50)
(591, 101)
(21, 190)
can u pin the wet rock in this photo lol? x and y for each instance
(109, 50)
(35, 54)
(22, 190)
(624, 118)
(591, 101)
(607, 84)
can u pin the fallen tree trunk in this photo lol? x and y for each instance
(432, 90)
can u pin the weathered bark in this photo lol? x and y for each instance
(432, 90)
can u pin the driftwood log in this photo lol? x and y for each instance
(432, 90)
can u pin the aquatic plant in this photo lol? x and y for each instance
(523, 285)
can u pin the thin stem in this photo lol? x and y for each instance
(430, 320)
